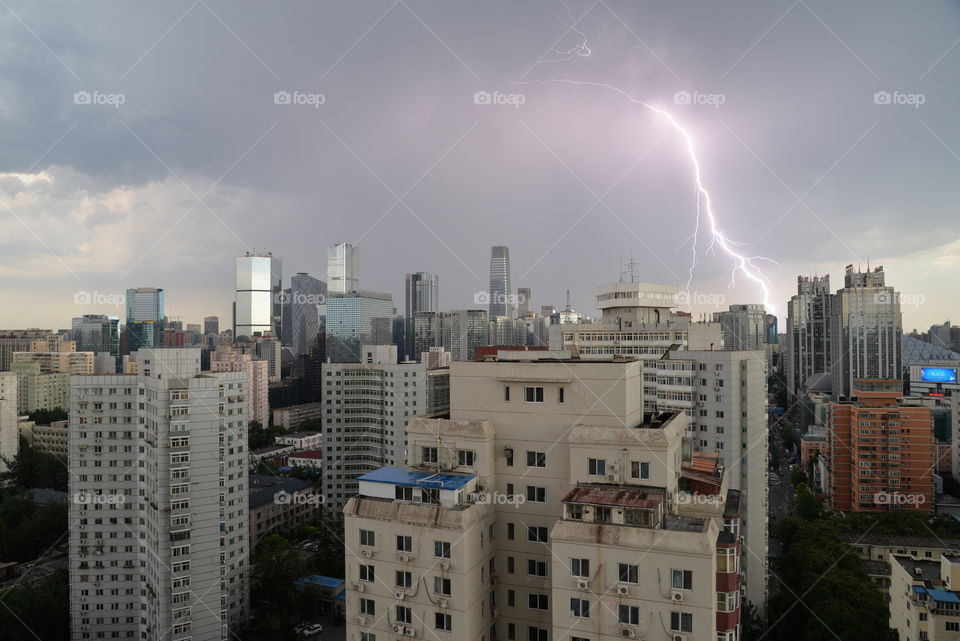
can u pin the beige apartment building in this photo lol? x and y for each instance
(64, 359)
(227, 358)
(548, 505)
(924, 601)
(39, 390)
(9, 432)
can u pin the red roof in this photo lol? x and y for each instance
(617, 496)
(307, 454)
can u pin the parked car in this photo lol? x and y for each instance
(312, 630)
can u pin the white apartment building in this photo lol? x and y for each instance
(159, 512)
(9, 431)
(366, 409)
(537, 513)
(723, 392)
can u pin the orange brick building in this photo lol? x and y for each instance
(881, 452)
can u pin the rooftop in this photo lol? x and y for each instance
(429, 480)
(299, 434)
(311, 454)
(895, 540)
(318, 580)
(263, 489)
(619, 496)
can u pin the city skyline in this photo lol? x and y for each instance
(781, 163)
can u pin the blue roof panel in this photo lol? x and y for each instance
(943, 596)
(321, 581)
(434, 480)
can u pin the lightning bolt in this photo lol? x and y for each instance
(746, 265)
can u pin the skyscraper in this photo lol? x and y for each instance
(145, 320)
(422, 293)
(98, 334)
(462, 331)
(350, 322)
(866, 329)
(808, 335)
(501, 298)
(211, 325)
(305, 305)
(743, 327)
(343, 268)
(257, 308)
(172, 559)
(524, 301)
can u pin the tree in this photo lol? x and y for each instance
(798, 477)
(47, 416)
(808, 507)
(33, 469)
(37, 609)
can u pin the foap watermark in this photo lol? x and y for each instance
(711, 500)
(99, 98)
(87, 498)
(299, 98)
(699, 98)
(499, 98)
(498, 498)
(701, 298)
(896, 498)
(486, 298)
(286, 498)
(897, 98)
(911, 300)
(299, 298)
(115, 299)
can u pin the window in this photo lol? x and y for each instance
(510, 531)
(441, 549)
(429, 455)
(511, 632)
(681, 579)
(727, 560)
(536, 494)
(443, 622)
(639, 470)
(560, 398)
(580, 567)
(511, 598)
(510, 563)
(536, 568)
(368, 607)
(404, 543)
(681, 621)
(368, 538)
(508, 454)
(510, 490)
(533, 394)
(579, 608)
(537, 634)
(403, 493)
(953, 626)
(628, 573)
(628, 615)
(506, 393)
(575, 511)
(597, 467)
(727, 601)
(404, 579)
(536, 459)
(366, 573)
(538, 601)
(536, 534)
(404, 614)
(441, 586)
(466, 458)
(601, 514)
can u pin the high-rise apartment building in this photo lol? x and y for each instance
(722, 392)
(500, 293)
(304, 307)
(257, 308)
(40, 390)
(866, 331)
(343, 268)
(367, 407)
(462, 331)
(64, 360)
(9, 432)
(23, 340)
(744, 327)
(422, 294)
(227, 358)
(881, 450)
(158, 476)
(350, 322)
(809, 345)
(534, 512)
(524, 301)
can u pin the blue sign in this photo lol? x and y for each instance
(938, 374)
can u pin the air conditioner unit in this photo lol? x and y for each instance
(358, 587)
(444, 565)
(676, 595)
(398, 629)
(403, 557)
(623, 590)
(361, 619)
(627, 633)
(408, 631)
(399, 595)
(582, 584)
(679, 637)
(366, 553)
(441, 603)
(612, 477)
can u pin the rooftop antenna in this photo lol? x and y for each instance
(631, 268)
(568, 301)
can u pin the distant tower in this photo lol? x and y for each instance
(343, 268)
(500, 290)
(524, 296)
(211, 325)
(422, 292)
(258, 305)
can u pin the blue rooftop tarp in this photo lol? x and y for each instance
(320, 581)
(398, 476)
(941, 596)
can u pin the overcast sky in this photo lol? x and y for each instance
(142, 145)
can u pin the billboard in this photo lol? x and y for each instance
(938, 374)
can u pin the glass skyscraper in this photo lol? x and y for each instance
(808, 335)
(422, 291)
(97, 333)
(258, 304)
(350, 323)
(343, 268)
(304, 305)
(145, 318)
(501, 301)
